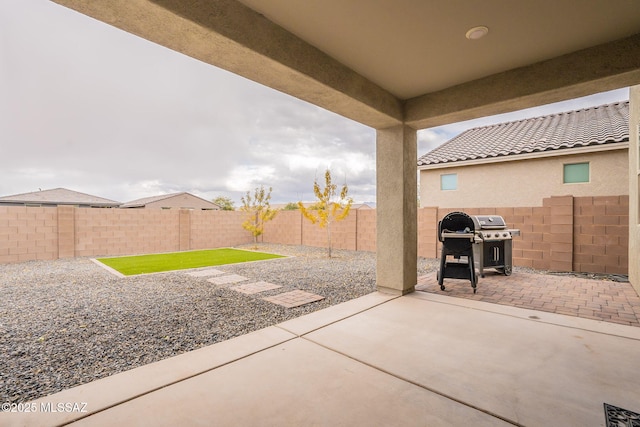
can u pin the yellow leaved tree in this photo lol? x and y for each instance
(258, 211)
(329, 207)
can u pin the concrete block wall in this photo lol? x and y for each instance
(428, 233)
(28, 234)
(343, 234)
(184, 230)
(217, 229)
(66, 232)
(313, 235)
(356, 232)
(529, 249)
(108, 232)
(601, 234)
(558, 233)
(365, 229)
(285, 228)
(34, 233)
(585, 234)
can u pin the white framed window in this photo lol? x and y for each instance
(449, 181)
(575, 172)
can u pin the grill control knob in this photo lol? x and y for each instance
(497, 234)
(504, 234)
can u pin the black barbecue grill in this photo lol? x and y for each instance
(481, 241)
(456, 231)
(493, 245)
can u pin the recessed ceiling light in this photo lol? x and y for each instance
(476, 33)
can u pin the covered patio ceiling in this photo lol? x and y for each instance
(403, 61)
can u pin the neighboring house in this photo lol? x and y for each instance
(579, 153)
(168, 201)
(57, 197)
(365, 205)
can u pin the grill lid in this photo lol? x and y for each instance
(490, 222)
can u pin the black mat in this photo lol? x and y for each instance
(618, 417)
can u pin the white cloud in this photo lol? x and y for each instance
(247, 177)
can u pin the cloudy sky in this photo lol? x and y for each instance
(91, 108)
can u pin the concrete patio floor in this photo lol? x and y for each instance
(422, 359)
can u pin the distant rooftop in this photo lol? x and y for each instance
(146, 200)
(140, 203)
(58, 196)
(605, 124)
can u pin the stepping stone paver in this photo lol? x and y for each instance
(227, 280)
(205, 273)
(294, 298)
(254, 288)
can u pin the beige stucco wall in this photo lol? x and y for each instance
(525, 182)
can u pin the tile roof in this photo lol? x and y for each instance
(605, 124)
(59, 196)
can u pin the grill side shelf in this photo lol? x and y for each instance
(452, 235)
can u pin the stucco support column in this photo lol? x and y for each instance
(396, 210)
(634, 184)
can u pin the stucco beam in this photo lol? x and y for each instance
(229, 35)
(597, 69)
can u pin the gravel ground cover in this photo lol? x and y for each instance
(68, 322)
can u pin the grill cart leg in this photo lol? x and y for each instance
(472, 272)
(478, 256)
(440, 273)
(440, 280)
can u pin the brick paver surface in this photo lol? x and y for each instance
(604, 300)
(254, 288)
(228, 279)
(294, 298)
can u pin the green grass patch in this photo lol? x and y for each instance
(156, 263)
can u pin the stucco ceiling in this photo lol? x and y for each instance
(413, 47)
